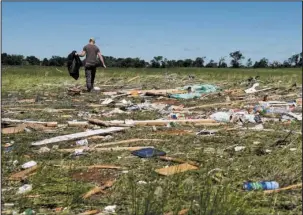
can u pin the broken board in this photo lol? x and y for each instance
(175, 169)
(77, 135)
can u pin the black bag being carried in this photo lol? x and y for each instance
(73, 65)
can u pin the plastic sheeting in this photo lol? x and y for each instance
(197, 91)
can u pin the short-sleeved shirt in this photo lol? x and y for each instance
(91, 54)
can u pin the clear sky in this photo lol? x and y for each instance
(175, 30)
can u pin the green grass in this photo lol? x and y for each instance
(218, 192)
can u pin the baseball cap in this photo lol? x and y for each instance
(92, 40)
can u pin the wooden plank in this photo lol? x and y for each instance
(103, 166)
(106, 149)
(77, 135)
(13, 130)
(27, 101)
(91, 212)
(48, 124)
(96, 166)
(165, 91)
(23, 174)
(108, 123)
(98, 189)
(163, 122)
(175, 169)
(132, 79)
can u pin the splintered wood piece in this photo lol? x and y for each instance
(13, 130)
(134, 78)
(107, 149)
(23, 174)
(97, 166)
(93, 191)
(175, 169)
(98, 189)
(295, 186)
(27, 101)
(92, 212)
(49, 124)
(107, 124)
(77, 135)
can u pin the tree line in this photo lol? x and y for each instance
(236, 61)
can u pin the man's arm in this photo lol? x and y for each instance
(101, 58)
(82, 54)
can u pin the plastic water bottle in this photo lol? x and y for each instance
(263, 185)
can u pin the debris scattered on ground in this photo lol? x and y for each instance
(291, 187)
(264, 185)
(96, 190)
(25, 188)
(23, 174)
(77, 135)
(175, 169)
(29, 164)
(170, 112)
(148, 152)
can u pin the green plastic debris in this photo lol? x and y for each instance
(196, 91)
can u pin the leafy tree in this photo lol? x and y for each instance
(236, 56)
(45, 62)
(199, 62)
(32, 60)
(276, 64)
(263, 63)
(57, 61)
(211, 64)
(222, 63)
(156, 62)
(286, 64)
(187, 63)
(249, 63)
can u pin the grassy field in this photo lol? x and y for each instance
(215, 188)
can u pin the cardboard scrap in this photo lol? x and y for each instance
(175, 169)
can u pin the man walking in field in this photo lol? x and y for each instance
(91, 51)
